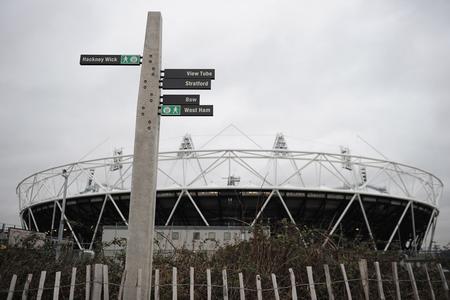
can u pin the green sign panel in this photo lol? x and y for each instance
(170, 110)
(130, 59)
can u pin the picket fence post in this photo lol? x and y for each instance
(225, 284)
(347, 287)
(444, 280)
(364, 277)
(57, 285)
(413, 281)
(241, 287)
(26, 287)
(41, 285)
(328, 282)
(208, 283)
(429, 282)
(379, 282)
(293, 287)
(396, 281)
(174, 284)
(275, 287)
(12, 285)
(97, 284)
(72, 283)
(105, 283)
(191, 283)
(312, 289)
(258, 287)
(157, 284)
(88, 282)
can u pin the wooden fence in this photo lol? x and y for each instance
(96, 285)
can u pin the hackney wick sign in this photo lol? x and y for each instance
(108, 60)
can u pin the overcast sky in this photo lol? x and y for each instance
(323, 71)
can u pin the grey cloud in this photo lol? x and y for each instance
(323, 70)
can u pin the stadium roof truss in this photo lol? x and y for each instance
(188, 170)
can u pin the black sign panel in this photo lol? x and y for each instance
(106, 60)
(181, 99)
(186, 84)
(189, 73)
(197, 110)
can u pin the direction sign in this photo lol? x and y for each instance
(190, 73)
(106, 60)
(186, 84)
(181, 99)
(197, 110)
(187, 110)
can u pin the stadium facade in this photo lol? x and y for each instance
(392, 204)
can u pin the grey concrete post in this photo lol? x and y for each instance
(143, 182)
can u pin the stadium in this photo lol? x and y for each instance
(227, 189)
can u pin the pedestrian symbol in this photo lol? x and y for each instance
(171, 110)
(130, 59)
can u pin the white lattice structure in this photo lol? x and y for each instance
(273, 184)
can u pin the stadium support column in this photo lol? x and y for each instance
(143, 182)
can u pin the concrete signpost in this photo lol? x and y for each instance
(145, 162)
(141, 222)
